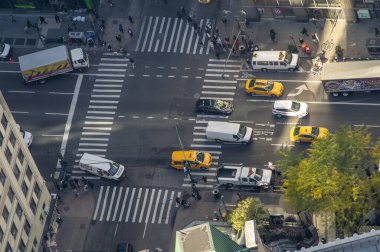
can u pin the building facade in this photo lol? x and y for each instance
(24, 197)
(44, 5)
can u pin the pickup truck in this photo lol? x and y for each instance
(239, 175)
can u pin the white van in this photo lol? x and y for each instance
(274, 60)
(101, 167)
(229, 132)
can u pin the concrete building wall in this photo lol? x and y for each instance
(25, 200)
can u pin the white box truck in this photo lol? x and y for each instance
(50, 62)
(229, 132)
(101, 167)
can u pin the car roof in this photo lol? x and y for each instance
(283, 104)
(305, 129)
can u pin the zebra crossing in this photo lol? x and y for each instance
(102, 107)
(135, 205)
(172, 35)
(220, 82)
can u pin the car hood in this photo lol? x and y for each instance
(304, 108)
(28, 138)
(323, 132)
(295, 58)
(5, 52)
(267, 177)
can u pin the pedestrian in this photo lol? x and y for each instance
(132, 62)
(189, 19)
(76, 193)
(239, 196)
(118, 37)
(183, 11)
(109, 47)
(204, 179)
(121, 30)
(272, 35)
(315, 38)
(130, 32)
(28, 23)
(42, 20)
(217, 55)
(26, 29)
(57, 19)
(195, 25)
(301, 40)
(224, 20)
(377, 33)
(12, 18)
(130, 19)
(69, 29)
(85, 188)
(305, 32)
(177, 202)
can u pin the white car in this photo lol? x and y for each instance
(290, 108)
(5, 51)
(28, 137)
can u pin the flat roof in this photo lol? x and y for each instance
(351, 70)
(43, 58)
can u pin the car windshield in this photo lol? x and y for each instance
(221, 104)
(2, 46)
(315, 131)
(288, 58)
(200, 157)
(296, 131)
(269, 86)
(296, 106)
(22, 133)
(242, 131)
(258, 174)
(114, 168)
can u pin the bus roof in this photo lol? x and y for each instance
(351, 70)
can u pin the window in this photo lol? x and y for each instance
(5, 213)
(27, 227)
(12, 139)
(25, 189)
(262, 63)
(8, 154)
(29, 173)
(3, 178)
(4, 121)
(16, 172)
(21, 156)
(1, 139)
(11, 194)
(35, 242)
(37, 190)
(41, 219)
(8, 248)
(21, 246)
(14, 231)
(33, 205)
(1, 235)
(19, 211)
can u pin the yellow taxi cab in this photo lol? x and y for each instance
(196, 159)
(306, 134)
(264, 87)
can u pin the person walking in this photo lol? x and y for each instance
(177, 202)
(132, 62)
(121, 30)
(377, 33)
(26, 29)
(118, 37)
(305, 32)
(272, 35)
(130, 19)
(130, 32)
(239, 196)
(42, 20)
(57, 19)
(204, 179)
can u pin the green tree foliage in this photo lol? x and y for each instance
(332, 177)
(248, 209)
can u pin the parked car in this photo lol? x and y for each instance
(196, 159)
(307, 134)
(264, 87)
(214, 106)
(5, 51)
(290, 108)
(124, 247)
(28, 137)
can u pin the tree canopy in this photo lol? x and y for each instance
(335, 175)
(248, 209)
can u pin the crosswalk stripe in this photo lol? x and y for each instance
(155, 208)
(223, 60)
(110, 204)
(162, 25)
(208, 180)
(150, 205)
(220, 81)
(112, 59)
(101, 112)
(166, 33)
(162, 207)
(97, 128)
(212, 152)
(100, 117)
(147, 33)
(200, 128)
(214, 116)
(110, 75)
(107, 90)
(202, 140)
(91, 150)
(204, 39)
(144, 202)
(102, 107)
(218, 93)
(199, 133)
(108, 80)
(123, 205)
(105, 96)
(108, 85)
(112, 64)
(98, 203)
(137, 205)
(153, 33)
(130, 204)
(190, 39)
(104, 203)
(170, 206)
(111, 70)
(93, 139)
(172, 36)
(96, 133)
(178, 34)
(97, 123)
(140, 35)
(93, 144)
(197, 38)
(219, 87)
(117, 203)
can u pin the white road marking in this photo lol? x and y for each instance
(144, 202)
(221, 98)
(153, 34)
(170, 206)
(94, 139)
(155, 207)
(112, 59)
(107, 90)
(104, 102)
(104, 96)
(213, 116)
(150, 205)
(102, 107)
(178, 34)
(172, 36)
(22, 112)
(123, 204)
(198, 185)
(91, 150)
(93, 144)
(162, 206)
(97, 128)
(110, 64)
(60, 93)
(112, 197)
(166, 33)
(137, 206)
(220, 87)
(223, 70)
(216, 60)
(108, 85)
(110, 75)
(108, 80)
(98, 203)
(218, 93)
(184, 38)
(223, 65)
(96, 133)
(104, 204)
(190, 39)
(111, 70)
(220, 81)
(205, 146)
(21, 92)
(147, 33)
(51, 135)
(100, 117)
(140, 35)
(101, 112)
(130, 204)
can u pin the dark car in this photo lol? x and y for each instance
(214, 106)
(124, 247)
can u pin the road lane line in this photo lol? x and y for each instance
(94, 139)
(100, 117)
(205, 146)
(219, 87)
(144, 203)
(150, 205)
(104, 204)
(153, 34)
(98, 203)
(123, 204)
(95, 134)
(141, 33)
(184, 39)
(110, 204)
(170, 207)
(21, 112)
(137, 206)
(108, 80)
(21, 92)
(155, 207)
(162, 206)
(178, 34)
(130, 204)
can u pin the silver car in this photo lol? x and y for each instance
(290, 108)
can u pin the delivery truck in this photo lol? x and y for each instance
(345, 78)
(50, 62)
(232, 175)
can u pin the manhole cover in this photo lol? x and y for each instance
(31, 42)
(8, 41)
(19, 41)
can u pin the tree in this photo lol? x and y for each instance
(333, 177)
(248, 209)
